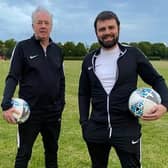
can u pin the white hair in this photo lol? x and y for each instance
(41, 9)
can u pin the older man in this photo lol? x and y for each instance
(37, 65)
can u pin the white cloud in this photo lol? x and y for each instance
(73, 19)
(14, 21)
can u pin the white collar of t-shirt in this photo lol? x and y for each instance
(106, 67)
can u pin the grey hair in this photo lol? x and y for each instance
(41, 9)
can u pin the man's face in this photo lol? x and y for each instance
(107, 32)
(42, 26)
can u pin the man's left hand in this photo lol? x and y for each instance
(155, 113)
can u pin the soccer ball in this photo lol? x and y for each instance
(23, 108)
(142, 100)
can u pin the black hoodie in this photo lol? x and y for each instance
(111, 111)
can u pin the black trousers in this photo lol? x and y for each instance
(49, 128)
(99, 153)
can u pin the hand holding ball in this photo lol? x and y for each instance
(22, 108)
(142, 100)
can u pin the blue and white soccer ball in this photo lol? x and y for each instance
(142, 100)
(22, 108)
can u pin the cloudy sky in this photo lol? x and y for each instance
(143, 20)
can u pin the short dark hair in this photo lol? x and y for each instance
(105, 15)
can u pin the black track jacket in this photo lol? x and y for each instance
(111, 111)
(40, 76)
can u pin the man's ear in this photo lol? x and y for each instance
(96, 32)
(118, 29)
(32, 26)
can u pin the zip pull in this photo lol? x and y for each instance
(45, 52)
(110, 133)
(108, 115)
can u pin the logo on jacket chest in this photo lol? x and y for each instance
(33, 56)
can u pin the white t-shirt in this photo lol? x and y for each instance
(106, 67)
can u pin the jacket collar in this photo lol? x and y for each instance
(96, 52)
(121, 47)
(38, 41)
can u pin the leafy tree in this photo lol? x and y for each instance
(159, 50)
(125, 43)
(80, 50)
(146, 47)
(1, 44)
(134, 44)
(94, 46)
(60, 45)
(69, 49)
(2, 48)
(166, 53)
(9, 45)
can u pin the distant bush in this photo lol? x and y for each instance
(154, 58)
(73, 58)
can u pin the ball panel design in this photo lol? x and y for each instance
(137, 108)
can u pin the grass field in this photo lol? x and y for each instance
(72, 149)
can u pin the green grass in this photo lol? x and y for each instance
(72, 149)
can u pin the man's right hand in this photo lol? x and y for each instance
(8, 115)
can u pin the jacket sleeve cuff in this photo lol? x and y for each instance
(166, 105)
(6, 106)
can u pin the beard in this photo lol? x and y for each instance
(108, 44)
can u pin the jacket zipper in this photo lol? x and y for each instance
(108, 95)
(108, 98)
(108, 115)
(108, 101)
(45, 52)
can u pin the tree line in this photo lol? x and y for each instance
(71, 50)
